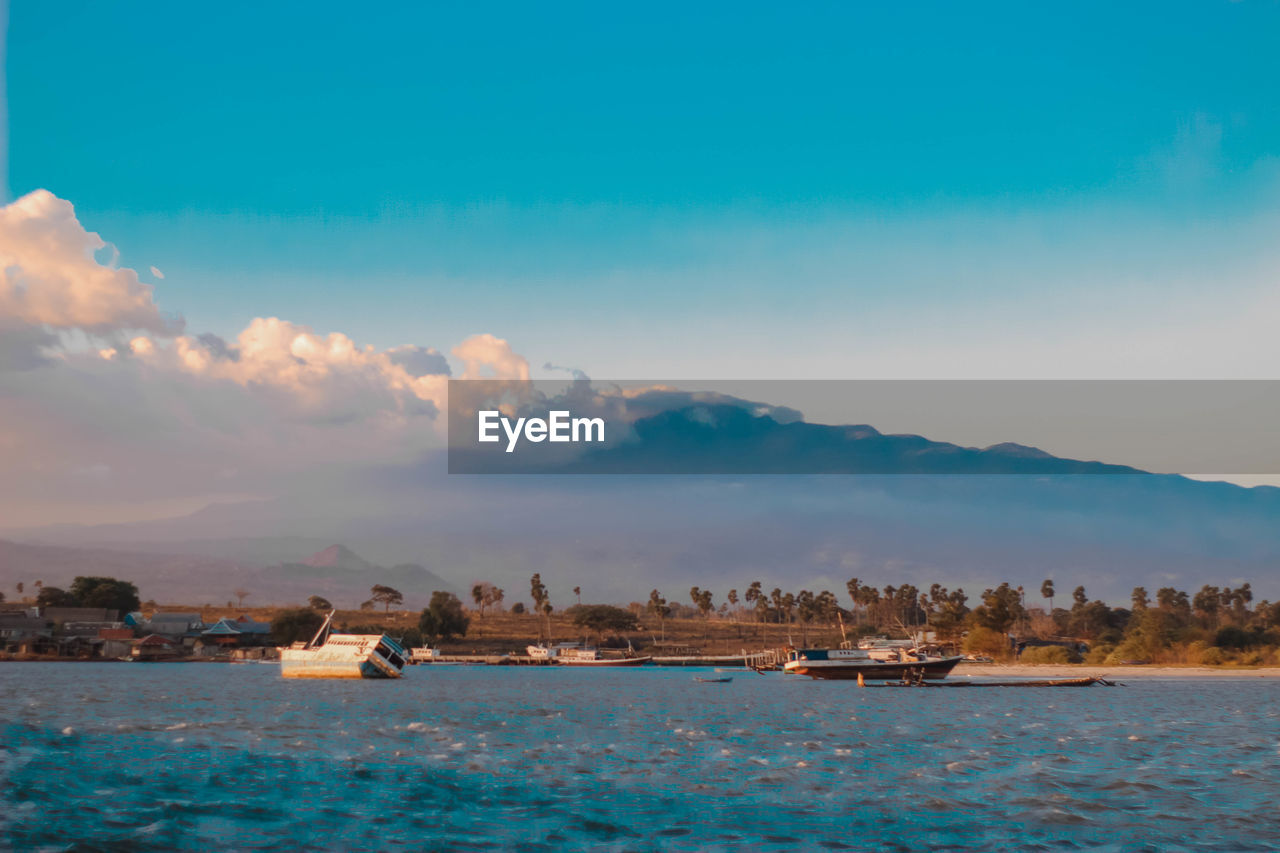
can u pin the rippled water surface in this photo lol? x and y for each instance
(207, 756)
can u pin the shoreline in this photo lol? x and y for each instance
(978, 670)
(1081, 670)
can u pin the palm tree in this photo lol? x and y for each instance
(753, 595)
(1046, 591)
(658, 607)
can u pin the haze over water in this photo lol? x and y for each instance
(164, 756)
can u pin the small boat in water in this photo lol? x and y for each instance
(852, 663)
(331, 655)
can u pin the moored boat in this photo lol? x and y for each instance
(553, 654)
(583, 660)
(852, 663)
(330, 655)
(572, 654)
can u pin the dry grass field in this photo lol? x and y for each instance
(504, 632)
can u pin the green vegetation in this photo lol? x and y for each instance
(1216, 625)
(443, 618)
(986, 641)
(106, 593)
(52, 596)
(386, 596)
(602, 618)
(541, 599)
(1212, 626)
(297, 624)
(486, 595)
(1049, 654)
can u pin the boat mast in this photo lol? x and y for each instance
(324, 630)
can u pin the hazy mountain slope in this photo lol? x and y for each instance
(176, 578)
(619, 535)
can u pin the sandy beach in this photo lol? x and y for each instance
(995, 670)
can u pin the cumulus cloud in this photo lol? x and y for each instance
(325, 376)
(49, 276)
(420, 361)
(487, 357)
(160, 415)
(23, 347)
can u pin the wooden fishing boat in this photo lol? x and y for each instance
(330, 655)
(852, 663)
(592, 657)
(571, 654)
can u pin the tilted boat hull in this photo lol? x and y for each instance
(344, 656)
(932, 670)
(332, 669)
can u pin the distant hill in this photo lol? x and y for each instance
(163, 577)
(1008, 512)
(725, 439)
(336, 573)
(338, 557)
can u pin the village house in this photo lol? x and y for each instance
(115, 642)
(24, 631)
(237, 633)
(59, 616)
(154, 647)
(181, 628)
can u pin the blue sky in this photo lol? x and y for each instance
(738, 189)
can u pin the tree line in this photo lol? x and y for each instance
(1212, 625)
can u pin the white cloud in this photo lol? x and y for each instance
(94, 378)
(155, 272)
(485, 357)
(49, 276)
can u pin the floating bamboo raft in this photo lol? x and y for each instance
(1052, 682)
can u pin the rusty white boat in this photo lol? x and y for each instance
(332, 655)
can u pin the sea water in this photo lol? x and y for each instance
(210, 756)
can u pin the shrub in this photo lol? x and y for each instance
(1136, 647)
(1049, 654)
(1212, 656)
(1099, 654)
(1235, 637)
(603, 618)
(290, 626)
(108, 593)
(443, 618)
(988, 642)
